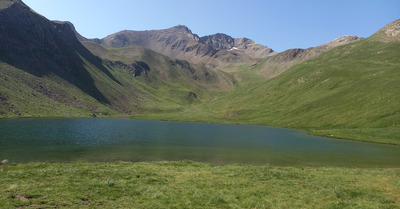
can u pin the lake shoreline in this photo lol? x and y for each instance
(309, 131)
(113, 139)
(306, 130)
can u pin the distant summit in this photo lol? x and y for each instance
(179, 42)
(222, 41)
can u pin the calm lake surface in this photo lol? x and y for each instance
(66, 140)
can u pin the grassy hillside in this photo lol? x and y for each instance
(25, 95)
(351, 91)
(169, 83)
(195, 185)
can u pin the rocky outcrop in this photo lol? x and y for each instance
(183, 65)
(391, 32)
(192, 95)
(346, 39)
(4, 162)
(393, 29)
(246, 46)
(137, 68)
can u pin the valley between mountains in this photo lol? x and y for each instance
(348, 88)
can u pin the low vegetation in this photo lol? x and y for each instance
(349, 92)
(195, 185)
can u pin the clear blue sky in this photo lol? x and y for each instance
(278, 24)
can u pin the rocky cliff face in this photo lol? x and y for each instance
(222, 41)
(179, 42)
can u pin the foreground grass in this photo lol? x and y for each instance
(195, 185)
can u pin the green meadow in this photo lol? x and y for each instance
(189, 184)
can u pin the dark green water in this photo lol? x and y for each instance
(66, 140)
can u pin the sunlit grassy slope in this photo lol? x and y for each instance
(194, 185)
(352, 91)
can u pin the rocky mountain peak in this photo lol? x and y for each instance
(179, 42)
(340, 41)
(182, 28)
(346, 38)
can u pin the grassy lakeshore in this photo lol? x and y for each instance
(189, 184)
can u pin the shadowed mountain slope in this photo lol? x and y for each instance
(32, 43)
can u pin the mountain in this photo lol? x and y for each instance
(217, 51)
(46, 71)
(351, 91)
(179, 42)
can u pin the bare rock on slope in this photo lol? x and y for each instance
(392, 30)
(179, 42)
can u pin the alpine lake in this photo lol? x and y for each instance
(109, 140)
